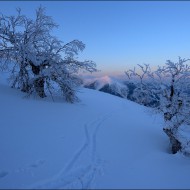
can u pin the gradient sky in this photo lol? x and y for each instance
(119, 34)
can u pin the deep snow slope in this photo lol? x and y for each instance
(100, 142)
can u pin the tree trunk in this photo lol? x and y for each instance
(39, 82)
(39, 87)
(25, 88)
(176, 145)
(23, 78)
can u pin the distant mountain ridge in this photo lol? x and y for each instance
(121, 88)
(107, 84)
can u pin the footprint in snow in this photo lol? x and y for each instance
(37, 164)
(3, 174)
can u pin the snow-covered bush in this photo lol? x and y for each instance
(37, 60)
(170, 85)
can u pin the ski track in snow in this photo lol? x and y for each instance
(82, 177)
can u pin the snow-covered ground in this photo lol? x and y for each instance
(100, 142)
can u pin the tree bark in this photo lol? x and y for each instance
(39, 82)
(24, 79)
(39, 87)
(175, 143)
(25, 87)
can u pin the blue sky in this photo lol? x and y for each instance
(119, 34)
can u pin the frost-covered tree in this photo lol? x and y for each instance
(39, 62)
(170, 85)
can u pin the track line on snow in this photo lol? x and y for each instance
(87, 143)
(83, 177)
(80, 151)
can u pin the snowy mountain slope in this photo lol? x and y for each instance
(101, 81)
(101, 142)
(107, 84)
